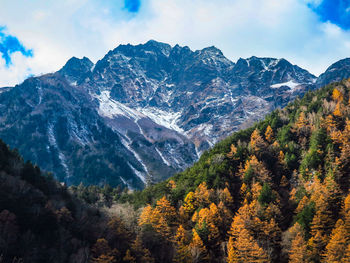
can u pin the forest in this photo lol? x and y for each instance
(275, 192)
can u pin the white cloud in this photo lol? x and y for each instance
(10, 76)
(57, 30)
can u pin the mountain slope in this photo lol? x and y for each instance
(62, 127)
(40, 221)
(276, 192)
(142, 113)
(55, 125)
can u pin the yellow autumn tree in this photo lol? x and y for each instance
(146, 216)
(166, 209)
(303, 202)
(316, 245)
(338, 110)
(330, 123)
(182, 253)
(233, 152)
(256, 189)
(172, 184)
(254, 169)
(337, 95)
(269, 136)
(346, 258)
(346, 213)
(243, 190)
(231, 251)
(256, 141)
(324, 195)
(301, 122)
(337, 245)
(154, 218)
(198, 251)
(189, 205)
(240, 220)
(225, 215)
(245, 249)
(202, 195)
(213, 219)
(208, 218)
(180, 236)
(297, 253)
(281, 158)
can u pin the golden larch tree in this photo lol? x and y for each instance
(233, 152)
(188, 205)
(202, 195)
(346, 213)
(198, 251)
(301, 122)
(166, 209)
(297, 253)
(182, 253)
(256, 141)
(338, 111)
(337, 245)
(246, 249)
(269, 136)
(337, 95)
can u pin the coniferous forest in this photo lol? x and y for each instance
(275, 192)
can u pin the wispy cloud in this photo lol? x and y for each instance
(10, 44)
(132, 6)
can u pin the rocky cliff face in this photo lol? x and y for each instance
(143, 112)
(200, 94)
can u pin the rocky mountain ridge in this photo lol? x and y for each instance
(144, 112)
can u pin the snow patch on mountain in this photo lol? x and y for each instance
(161, 156)
(138, 173)
(110, 108)
(80, 134)
(53, 143)
(40, 93)
(126, 183)
(291, 84)
(167, 119)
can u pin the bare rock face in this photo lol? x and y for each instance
(142, 112)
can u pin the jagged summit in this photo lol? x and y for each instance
(75, 69)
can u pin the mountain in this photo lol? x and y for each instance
(141, 113)
(201, 94)
(336, 72)
(275, 192)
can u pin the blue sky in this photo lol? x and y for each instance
(39, 36)
(335, 11)
(132, 6)
(9, 45)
